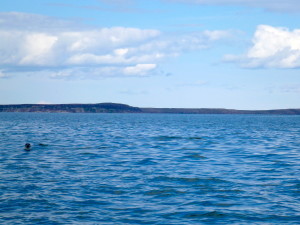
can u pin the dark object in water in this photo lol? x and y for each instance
(27, 146)
(41, 144)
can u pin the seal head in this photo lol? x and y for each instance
(27, 147)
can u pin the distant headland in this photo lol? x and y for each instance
(123, 108)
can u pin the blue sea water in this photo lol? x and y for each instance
(149, 169)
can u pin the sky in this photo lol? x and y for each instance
(235, 54)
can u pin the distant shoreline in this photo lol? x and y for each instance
(122, 108)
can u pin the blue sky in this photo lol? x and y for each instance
(242, 54)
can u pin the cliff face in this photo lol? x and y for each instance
(122, 108)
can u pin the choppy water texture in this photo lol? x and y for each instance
(149, 169)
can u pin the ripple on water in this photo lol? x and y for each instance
(149, 169)
(189, 180)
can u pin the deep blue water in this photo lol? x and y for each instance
(149, 169)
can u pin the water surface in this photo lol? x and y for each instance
(149, 169)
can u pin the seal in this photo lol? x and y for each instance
(27, 147)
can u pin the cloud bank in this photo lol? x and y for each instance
(273, 47)
(25, 45)
(274, 5)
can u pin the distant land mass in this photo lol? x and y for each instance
(123, 108)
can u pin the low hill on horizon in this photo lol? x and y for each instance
(123, 108)
(71, 108)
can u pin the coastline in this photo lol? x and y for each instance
(123, 108)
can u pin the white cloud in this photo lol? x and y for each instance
(43, 102)
(121, 51)
(273, 47)
(71, 52)
(76, 48)
(106, 71)
(274, 5)
(37, 49)
(141, 69)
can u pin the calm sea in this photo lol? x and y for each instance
(149, 169)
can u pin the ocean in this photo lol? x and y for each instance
(149, 169)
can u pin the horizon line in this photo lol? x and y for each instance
(148, 107)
